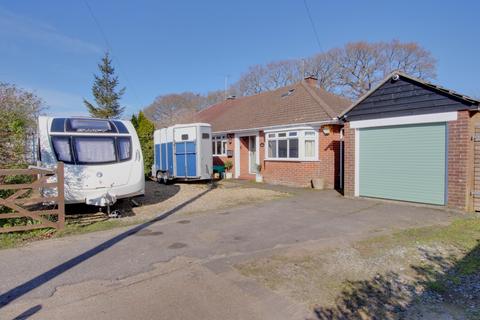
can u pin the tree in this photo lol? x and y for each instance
(360, 66)
(350, 70)
(176, 108)
(145, 129)
(105, 93)
(19, 109)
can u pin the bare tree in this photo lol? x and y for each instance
(410, 58)
(360, 66)
(351, 70)
(282, 73)
(251, 82)
(323, 66)
(174, 108)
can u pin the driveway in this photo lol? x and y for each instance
(181, 267)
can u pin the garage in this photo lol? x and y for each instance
(406, 162)
(410, 140)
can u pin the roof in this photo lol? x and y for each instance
(299, 103)
(435, 87)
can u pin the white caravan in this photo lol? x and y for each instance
(183, 151)
(103, 159)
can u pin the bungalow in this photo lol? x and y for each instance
(293, 133)
(410, 140)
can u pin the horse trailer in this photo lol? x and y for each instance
(183, 151)
(103, 159)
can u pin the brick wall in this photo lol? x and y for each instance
(458, 160)
(301, 173)
(349, 161)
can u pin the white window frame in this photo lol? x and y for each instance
(301, 136)
(223, 144)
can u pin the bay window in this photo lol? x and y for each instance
(219, 145)
(292, 145)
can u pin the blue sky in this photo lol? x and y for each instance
(53, 47)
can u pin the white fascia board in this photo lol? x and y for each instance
(283, 126)
(423, 118)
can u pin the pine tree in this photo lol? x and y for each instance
(145, 129)
(105, 93)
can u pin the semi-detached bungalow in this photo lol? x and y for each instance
(293, 133)
(410, 140)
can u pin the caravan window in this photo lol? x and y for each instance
(89, 125)
(92, 150)
(124, 148)
(61, 147)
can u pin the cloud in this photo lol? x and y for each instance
(19, 27)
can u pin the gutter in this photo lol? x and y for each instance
(332, 121)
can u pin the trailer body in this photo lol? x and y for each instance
(183, 151)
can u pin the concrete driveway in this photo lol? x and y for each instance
(181, 267)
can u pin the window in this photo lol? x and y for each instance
(219, 145)
(120, 127)
(310, 144)
(90, 125)
(272, 149)
(91, 150)
(205, 136)
(184, 137)
(294, 145)
(124, 148)
(61, 147)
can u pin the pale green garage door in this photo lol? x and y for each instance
(404, 162)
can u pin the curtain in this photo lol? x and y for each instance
(95, 150)
(124, 148)
(62, 148)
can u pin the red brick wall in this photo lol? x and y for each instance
(301, 173)
(349, 161)
(458, 156)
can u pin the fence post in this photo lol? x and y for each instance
(61, 195)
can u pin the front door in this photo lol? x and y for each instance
(252, 154)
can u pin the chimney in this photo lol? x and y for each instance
(311, 80)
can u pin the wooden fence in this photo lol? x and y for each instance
(29, 200)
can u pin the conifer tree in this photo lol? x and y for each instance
(105, 92)
(145, 129)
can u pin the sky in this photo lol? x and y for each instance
(160, 47)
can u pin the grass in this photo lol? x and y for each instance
(463, 233)
(16, 239)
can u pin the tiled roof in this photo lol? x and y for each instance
(295, 104)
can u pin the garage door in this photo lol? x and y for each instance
(404, 162)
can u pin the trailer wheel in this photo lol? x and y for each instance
(159, 176)
(166, 178)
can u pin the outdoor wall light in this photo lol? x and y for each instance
(326, 130)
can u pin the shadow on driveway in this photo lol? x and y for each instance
(15, 293)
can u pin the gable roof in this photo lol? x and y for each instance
(466, 100)
(295, 104)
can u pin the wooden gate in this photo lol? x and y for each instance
(36, 200)
(476, 188)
